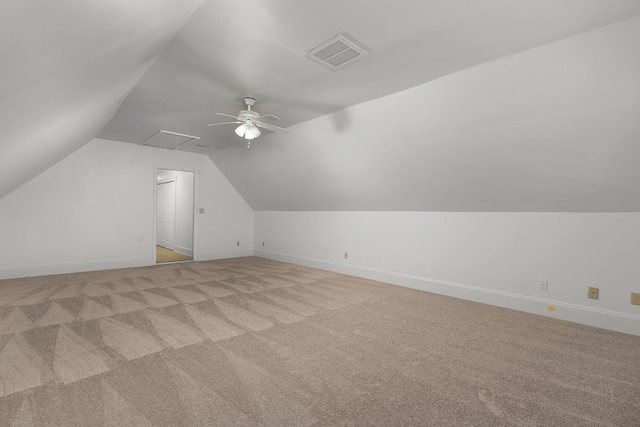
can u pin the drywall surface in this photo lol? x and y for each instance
(551, 129)
(66, 69)
(495, 258)
(88, 212)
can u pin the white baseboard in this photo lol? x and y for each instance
(183, 250)
(209, 256)
(620, 322)
(103, 264)
(71, 267)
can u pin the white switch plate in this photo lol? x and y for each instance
(140, 237)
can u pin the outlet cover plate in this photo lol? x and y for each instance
(594, 292)
(635, 298)
(544, 285)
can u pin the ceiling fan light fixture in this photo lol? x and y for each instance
(241, 130)
(250, 121)
(252, 132)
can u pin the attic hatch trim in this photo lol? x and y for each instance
(336, 53)
(165, 139)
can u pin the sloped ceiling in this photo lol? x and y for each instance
(67, 66)
(552, 129)
(460, 105)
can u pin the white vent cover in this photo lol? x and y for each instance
(168, 140)
(336, 53)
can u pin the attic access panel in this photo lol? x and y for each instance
(168, 140)
(336, 53)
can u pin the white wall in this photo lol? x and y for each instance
(495, 258)
(86, 212)
(184, 213)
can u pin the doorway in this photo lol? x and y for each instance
(174, 216)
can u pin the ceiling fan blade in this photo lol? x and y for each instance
(228, 115)
(268, 115)
(224, 123)
(267, 126)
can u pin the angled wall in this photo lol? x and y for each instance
(66, 69)
(476, 185)
(87, 212)
(550, 129)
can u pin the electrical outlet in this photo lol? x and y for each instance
(593, 292)
(544, 285)
(346, 255)
(238, 243)
(635, 298)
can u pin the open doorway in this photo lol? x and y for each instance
(174, 216)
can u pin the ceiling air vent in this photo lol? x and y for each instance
(336, 53)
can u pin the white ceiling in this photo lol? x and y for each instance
(230, 49)
(124, 70)
(66, 68)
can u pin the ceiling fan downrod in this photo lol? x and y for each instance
(249, 101)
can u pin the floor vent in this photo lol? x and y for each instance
(168, 140)
(336, 53)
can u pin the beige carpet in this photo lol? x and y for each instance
(250, 341)
(167, 255)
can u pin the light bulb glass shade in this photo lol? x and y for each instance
(241, 130)
(252, 132)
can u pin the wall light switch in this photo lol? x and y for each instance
(140, 237)
(201, 210)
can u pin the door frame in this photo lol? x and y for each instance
(194, 230)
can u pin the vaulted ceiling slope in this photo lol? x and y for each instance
(230, 49)
(457, 106)
(67, 66)
(551, 129)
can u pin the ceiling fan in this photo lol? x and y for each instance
(250, 121)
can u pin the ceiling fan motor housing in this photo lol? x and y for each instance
(250, 121)
(247, 114)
